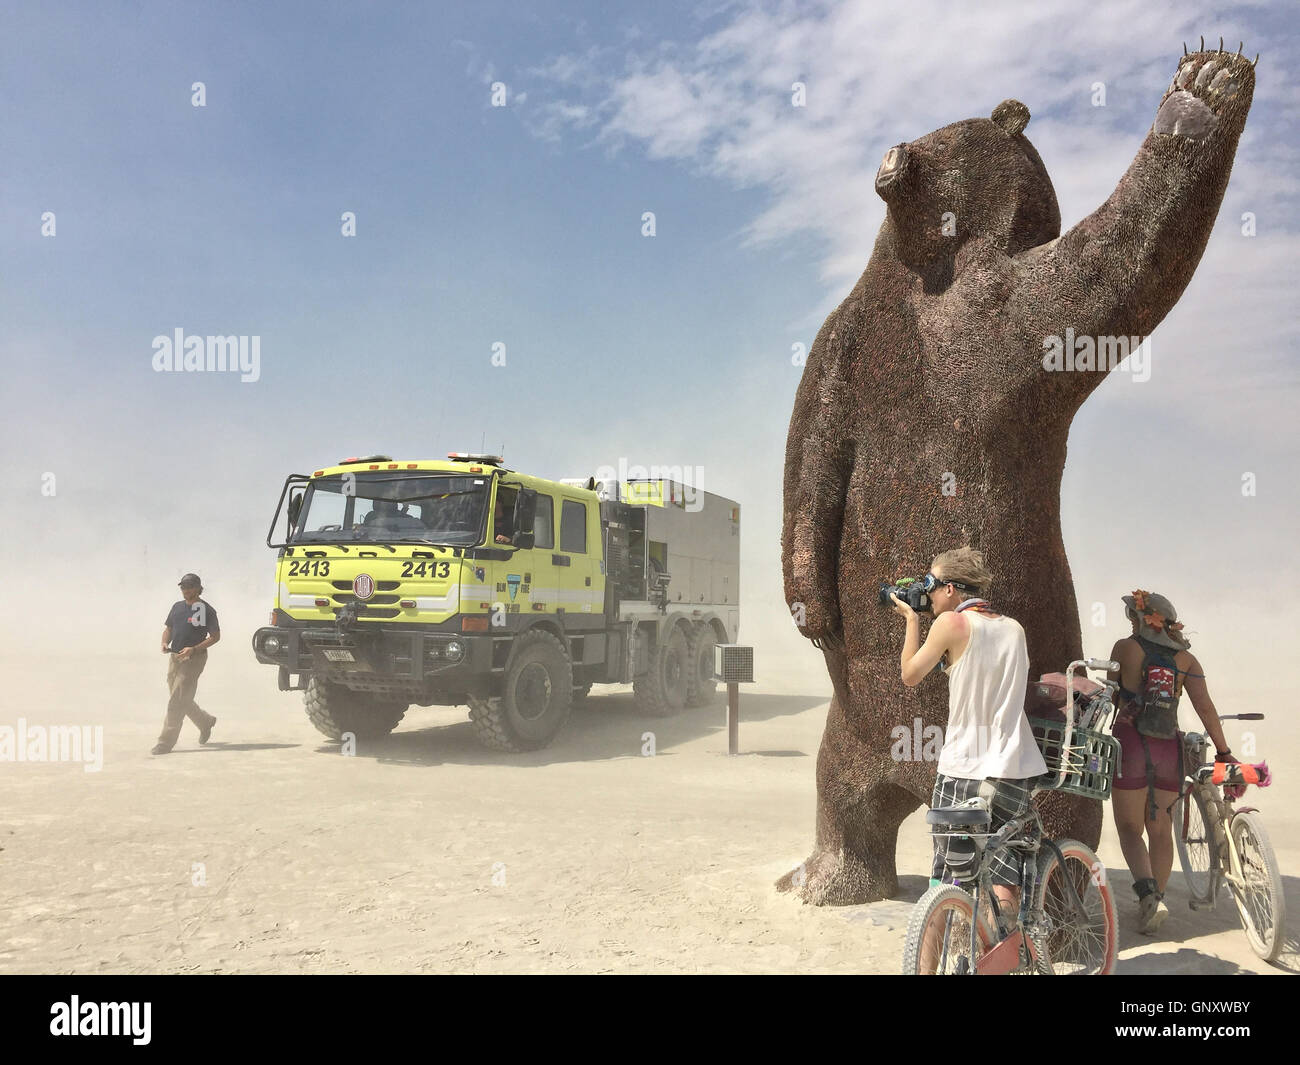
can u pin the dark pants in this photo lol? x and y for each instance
(182, 683)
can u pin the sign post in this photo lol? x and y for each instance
(734, 666)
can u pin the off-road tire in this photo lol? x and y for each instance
(501, 722)
(701, 688)
(334, 710)
(662, 690)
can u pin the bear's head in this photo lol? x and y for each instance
(977, 178)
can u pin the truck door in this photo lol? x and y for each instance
(510, 576)
(577, 560)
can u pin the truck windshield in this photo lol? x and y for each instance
(393, 508)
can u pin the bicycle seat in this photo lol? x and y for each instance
(958, 815)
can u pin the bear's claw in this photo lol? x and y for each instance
(1204, 83)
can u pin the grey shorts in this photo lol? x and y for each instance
(1007, 799)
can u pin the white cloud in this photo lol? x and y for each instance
(721, 106)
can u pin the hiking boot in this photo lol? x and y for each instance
(160, 749)
(205, 733)
(1152, 912)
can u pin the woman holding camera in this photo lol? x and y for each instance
(989, 749)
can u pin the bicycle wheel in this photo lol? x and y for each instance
(938, 933)
(1259, 900)
(1196, 823)
(1078, 944)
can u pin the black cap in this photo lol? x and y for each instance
(190, 580)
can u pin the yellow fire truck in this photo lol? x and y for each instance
(466, 583)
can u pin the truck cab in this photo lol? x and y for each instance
(462, 582)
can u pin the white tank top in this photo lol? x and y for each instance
(988, 733)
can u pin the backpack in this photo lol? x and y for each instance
(1158, 695)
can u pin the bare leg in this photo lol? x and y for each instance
(1008, 900)
(1130, 812)
(1160, 838)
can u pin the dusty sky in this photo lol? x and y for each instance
(522, 225)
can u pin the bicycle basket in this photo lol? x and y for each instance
(1090, 762)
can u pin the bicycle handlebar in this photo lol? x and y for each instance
(1068, 735)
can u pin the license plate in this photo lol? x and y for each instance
(338, 656)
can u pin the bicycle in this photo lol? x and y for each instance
(1067, 917)
(1219, 844)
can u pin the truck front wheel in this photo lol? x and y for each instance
(662, 690)
(535, 699)
(334, 710)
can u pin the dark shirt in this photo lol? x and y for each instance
(191, 625)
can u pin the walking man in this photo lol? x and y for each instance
(191, 628)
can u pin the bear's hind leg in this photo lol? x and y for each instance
(854, 859)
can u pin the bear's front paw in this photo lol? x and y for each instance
(816, 615)
(1208, 87)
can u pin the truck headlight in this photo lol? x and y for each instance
(455, 650)
(271, 645)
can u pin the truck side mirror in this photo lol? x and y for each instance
(525, 515)
(295, 507)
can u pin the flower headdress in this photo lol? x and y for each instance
(1152, 618)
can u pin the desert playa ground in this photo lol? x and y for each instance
(270, 852)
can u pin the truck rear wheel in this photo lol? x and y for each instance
(334, 710)
(702, 689)
(662, 690)
(535, 699)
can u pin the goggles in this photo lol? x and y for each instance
(930, 582)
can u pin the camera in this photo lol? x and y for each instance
(909, 590)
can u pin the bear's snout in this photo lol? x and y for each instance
(891, 167)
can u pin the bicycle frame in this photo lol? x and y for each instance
(1221, 871)
(1194, 779)
(1233, 843)
(1006, 954)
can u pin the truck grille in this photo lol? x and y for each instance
(344, 595)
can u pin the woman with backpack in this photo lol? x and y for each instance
(1155, 668)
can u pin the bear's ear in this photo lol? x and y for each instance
(1012, 116)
